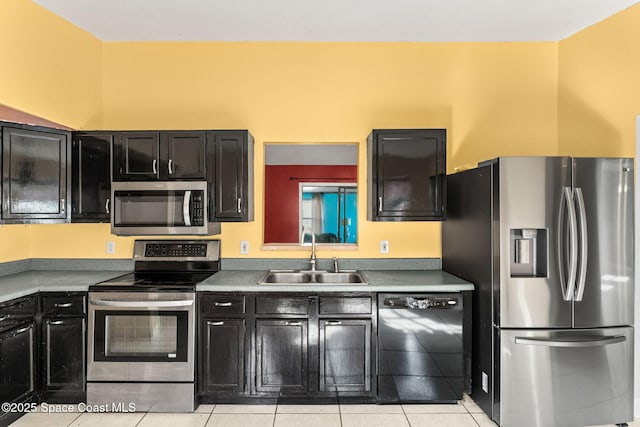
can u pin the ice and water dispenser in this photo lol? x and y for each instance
(529, 252)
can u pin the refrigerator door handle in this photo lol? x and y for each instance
(552, 342)
(582, 275)
(567, 284)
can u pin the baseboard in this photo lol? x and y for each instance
(636, 407)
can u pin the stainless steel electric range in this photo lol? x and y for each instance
(141, 342)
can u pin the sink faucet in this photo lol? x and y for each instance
(335, 265)
(312, 258)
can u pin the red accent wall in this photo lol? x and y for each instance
(281, 210)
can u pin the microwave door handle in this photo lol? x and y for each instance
(186, 203)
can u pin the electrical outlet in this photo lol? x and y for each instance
(384, 246)
(111, 248)
(244, 247)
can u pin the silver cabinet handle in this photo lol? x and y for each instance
(239, 205)
(153, 166)
(142, 304)
(220, 323)
(223, 304)
(380, 204)
(584, 248)
(551, 342)
(333, 322)
(170, 165)
(291, 323)
(63, 304)
(61, 205)
(56, 322)
(107, 204)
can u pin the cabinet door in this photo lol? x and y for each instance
(185, 155)
(91, 183)
(230, 159)
(17, 362)
(408, 175)
(345, 355)
(34, 174)
(222, 357)
(281, 356)
(136, 156)
(64, 354)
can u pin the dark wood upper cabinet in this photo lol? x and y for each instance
(144, 156)
(136, 156)
(185, 154)
(230, 175)
(35, 174)
(406, 174)
(91, 182)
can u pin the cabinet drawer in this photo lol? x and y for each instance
(63, 304)
(25, 305)
(282, 305)
(222, 304)
(345, 305)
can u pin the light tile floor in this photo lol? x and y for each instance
(464, 414)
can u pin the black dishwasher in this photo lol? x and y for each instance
(420, 348)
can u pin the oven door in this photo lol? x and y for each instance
(141, 336)
(159, 208)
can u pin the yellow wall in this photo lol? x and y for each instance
(50, 68)
(599, 87)
(15, 243)
(494, 99)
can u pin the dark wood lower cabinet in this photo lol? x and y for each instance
(345, 355)
(281, 355)
(64, 357)
(222, 363)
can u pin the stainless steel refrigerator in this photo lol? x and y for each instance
(548, 243)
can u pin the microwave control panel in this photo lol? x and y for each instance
(197, 209)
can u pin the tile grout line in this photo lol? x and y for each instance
(406, 417)
(210, 415)
(74, 420)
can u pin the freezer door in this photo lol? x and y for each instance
(530, 195)
(565, 377)
(606, 186)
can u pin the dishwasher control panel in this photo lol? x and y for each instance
(421, 303)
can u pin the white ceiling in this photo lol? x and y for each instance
(334, 20)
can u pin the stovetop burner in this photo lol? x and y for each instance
(167, 266)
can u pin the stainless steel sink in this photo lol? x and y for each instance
(284, 277)
(341, 278)
(296, 277)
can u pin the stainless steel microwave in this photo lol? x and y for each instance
(161, 208)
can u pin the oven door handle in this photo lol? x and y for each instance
(141, 304)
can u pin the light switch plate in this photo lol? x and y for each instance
(485, 382)
(384, 246)
(111, 248)
(244, 247)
